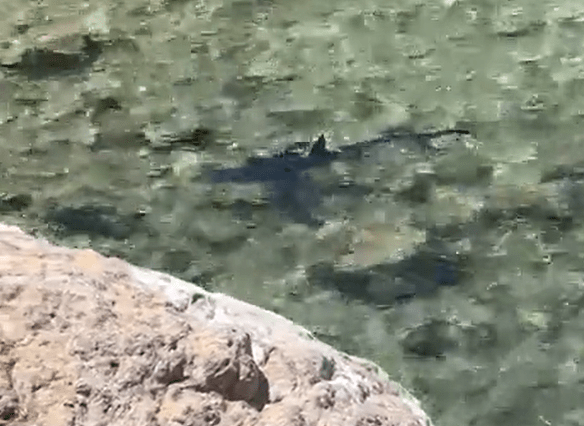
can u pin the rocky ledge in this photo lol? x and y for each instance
(89, 340)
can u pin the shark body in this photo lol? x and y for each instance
(292, 190)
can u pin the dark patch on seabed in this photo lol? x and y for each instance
(44, 63)
(94, 220)
(423, 273)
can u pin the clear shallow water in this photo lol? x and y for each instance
(503, 346)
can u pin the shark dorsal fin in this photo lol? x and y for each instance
(319, 148)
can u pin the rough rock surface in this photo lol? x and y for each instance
(89, 340)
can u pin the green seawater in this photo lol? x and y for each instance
(504, 345)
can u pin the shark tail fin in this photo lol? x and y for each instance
(319, 148)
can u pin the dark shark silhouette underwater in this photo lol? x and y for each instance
(295, 194)
(291, 189)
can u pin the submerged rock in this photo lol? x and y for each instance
(385, 283)
(431, 339)
(91, 219)
(14, 202)
(67, 46)
(44, 63)
(385, 263)
(91, 340)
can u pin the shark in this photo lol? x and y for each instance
(286, 174)
(294, 192)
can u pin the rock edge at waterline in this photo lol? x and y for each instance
(89, 340)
